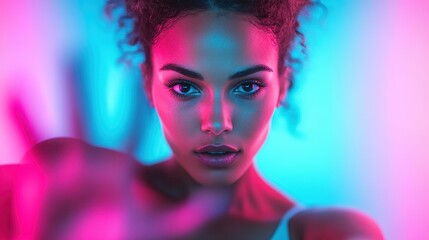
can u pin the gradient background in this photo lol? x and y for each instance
(362, 94)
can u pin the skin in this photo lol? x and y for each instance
(216, 110)
(77, 186)
(67, 187)
(72, 204)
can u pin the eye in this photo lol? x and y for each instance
(249, 87)
(183, 88)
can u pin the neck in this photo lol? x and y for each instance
(250, 197)
(254, 199)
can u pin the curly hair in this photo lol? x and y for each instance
(149, 17)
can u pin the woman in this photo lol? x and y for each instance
(215, 73)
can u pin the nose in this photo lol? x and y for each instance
(216, 116)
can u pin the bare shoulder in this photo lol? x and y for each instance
(334, 224)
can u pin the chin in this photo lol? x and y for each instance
(216, 182)
(222, 177)
(214, 177)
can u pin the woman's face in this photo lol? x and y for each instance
(215, 87)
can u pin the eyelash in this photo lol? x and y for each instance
(172, 83)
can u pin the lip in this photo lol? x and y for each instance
(217, 156)
(217, 161)
(217, 148)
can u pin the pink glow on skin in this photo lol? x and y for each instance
(59, 192)
(97, 182)
(70, 190)
(215, 111)
(29, 197)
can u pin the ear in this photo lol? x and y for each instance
(147, 80)
(284, 83)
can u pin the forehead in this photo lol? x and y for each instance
(207, 40)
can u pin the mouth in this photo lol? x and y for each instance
(217, 160)
(217, 149)
(217, 156)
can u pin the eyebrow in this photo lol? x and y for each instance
(193, 74)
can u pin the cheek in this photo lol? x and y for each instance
(255, 116)
(252, 121)
(182, 120)
(178, 120)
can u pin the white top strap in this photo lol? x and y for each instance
(282, 232)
